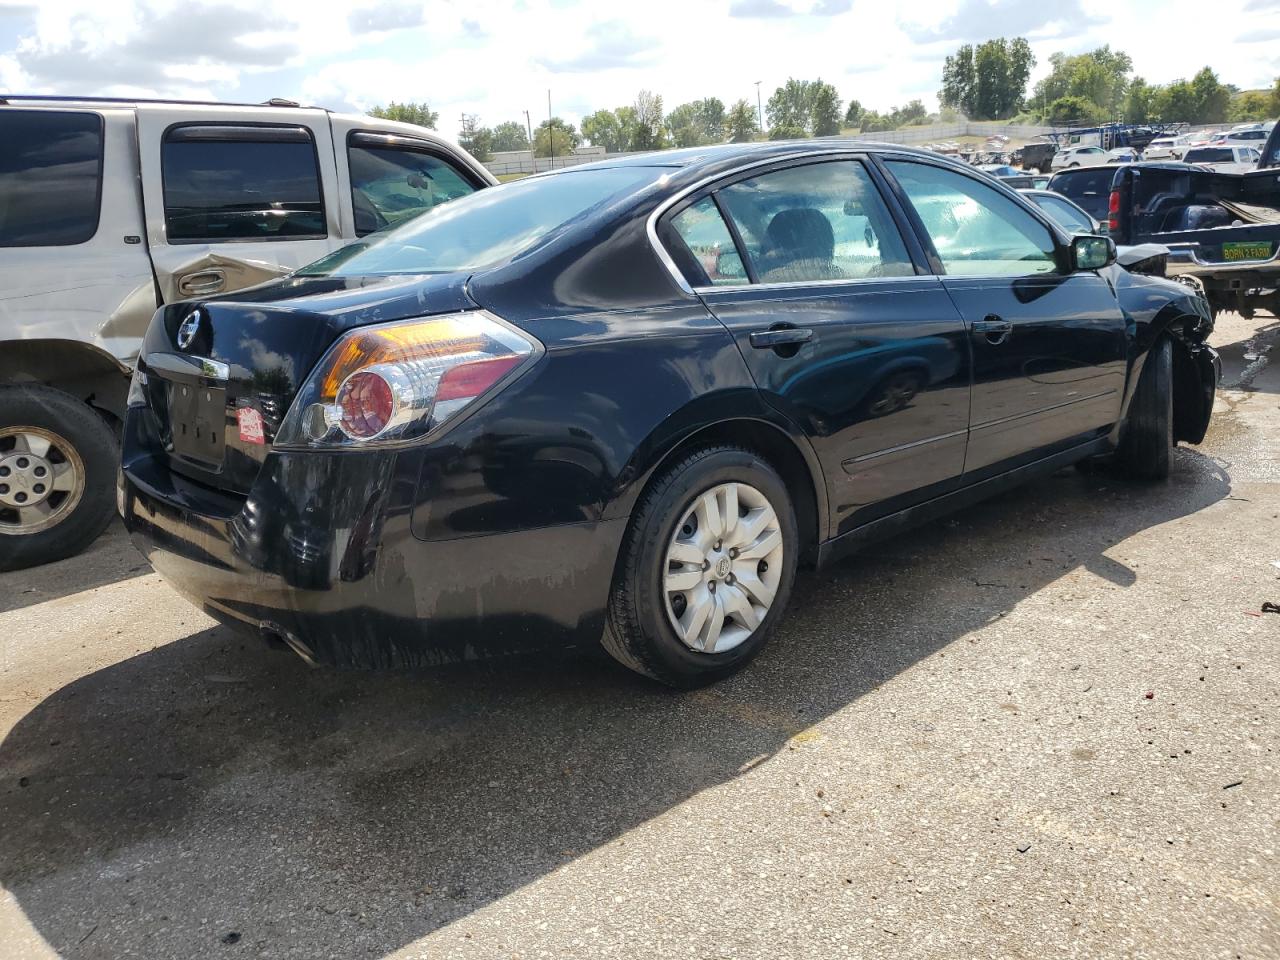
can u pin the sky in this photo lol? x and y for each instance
(499, 59)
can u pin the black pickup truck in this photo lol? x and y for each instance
(1221, 228)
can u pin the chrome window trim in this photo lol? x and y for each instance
(792, 284)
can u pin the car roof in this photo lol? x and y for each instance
(693, 159)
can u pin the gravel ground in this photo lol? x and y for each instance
(1047, 727)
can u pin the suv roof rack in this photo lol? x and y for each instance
(9, 98)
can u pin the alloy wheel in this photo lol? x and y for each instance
(41, 480)
(723, 566)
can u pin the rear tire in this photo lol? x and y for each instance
(57, 475)
(649, 604)
(1147, 440)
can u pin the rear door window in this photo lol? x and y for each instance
(224, 183)
(820, 221)
(1065, 214)
(50, 177)
(392, 182)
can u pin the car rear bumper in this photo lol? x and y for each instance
(344, 581)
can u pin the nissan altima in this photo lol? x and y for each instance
(621, 403)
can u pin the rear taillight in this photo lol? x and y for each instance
(400, 381)
(1113, 211)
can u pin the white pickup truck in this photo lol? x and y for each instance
(110, 208)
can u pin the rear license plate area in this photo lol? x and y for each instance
(198, 422)
(1246, 251)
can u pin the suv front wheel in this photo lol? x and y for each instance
(57, 475)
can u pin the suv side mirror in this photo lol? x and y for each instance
(1092, 253)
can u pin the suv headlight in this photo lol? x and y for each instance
(394, 382)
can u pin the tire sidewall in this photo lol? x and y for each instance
(722, 466)
(82, 428)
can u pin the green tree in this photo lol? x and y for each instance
(1074, 110)
(418, 113)
(1250, 105)
(605, 128)
(697, 123)
(1100, 76)
(555, 138)
(1275, 100)
(1203, 99)
(475, 139)
(510, 136)
(741, 123)
(789, 108)
(853, 114)
(913, 114)
(873, 122)
(1139, 101)
(824, 110)
(989, 81)
(1212, 97)
(801, 108)
(648, 133)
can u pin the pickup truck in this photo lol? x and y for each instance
(110, 209)
(1223, 229)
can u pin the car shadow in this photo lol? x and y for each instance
(211, 788)
(109, 559)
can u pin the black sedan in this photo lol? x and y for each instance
(626, 400)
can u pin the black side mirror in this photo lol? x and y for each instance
(1092, 253)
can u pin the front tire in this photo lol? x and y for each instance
(705, 569)
(57, 475)
(1147, 440)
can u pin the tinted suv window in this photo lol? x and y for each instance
(976, 230)
(1209, 155)
(1089, 188)
(238, 183)
(390, 184)
(821, 221)
(50, 177)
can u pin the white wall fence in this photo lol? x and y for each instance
(515, 162)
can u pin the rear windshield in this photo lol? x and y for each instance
(1090, 188)
(486, 227)
(1208, 155)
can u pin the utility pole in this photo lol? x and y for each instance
(759, 108)
(551, 131)
(528, 125)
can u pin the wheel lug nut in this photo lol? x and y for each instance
(706, 564)
(717, 544)
(733, 552)
(20, 497)
(712, 586)
(729, 578)
(40, 471)
(22, 462)
(38, 488)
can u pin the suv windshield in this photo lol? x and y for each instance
(1209, 155)
(486, 227)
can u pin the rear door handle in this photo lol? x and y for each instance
(995, 329)
(780, 337)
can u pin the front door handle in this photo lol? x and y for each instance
(780, 336)
(202, 283)
(995, 329)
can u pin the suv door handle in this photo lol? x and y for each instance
(995, 329)
(780, 336)
(202, 282)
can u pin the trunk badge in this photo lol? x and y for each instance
(190, 329)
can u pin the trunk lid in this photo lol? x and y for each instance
(222, 373)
